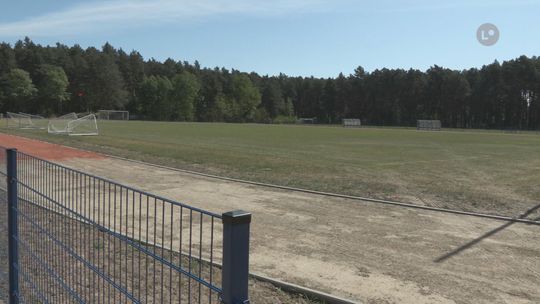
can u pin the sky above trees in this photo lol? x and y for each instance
(296, 37)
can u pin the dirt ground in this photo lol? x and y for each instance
(111, 258)
(362, 251)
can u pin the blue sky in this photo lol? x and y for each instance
(296, 37)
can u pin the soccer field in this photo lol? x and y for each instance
(349, 248)
(484, 171)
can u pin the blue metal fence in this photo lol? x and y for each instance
(76, 237)
(3, 230)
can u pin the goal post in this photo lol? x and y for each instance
(71, 124)
(113, 115)
(307, 120)
(37, 121)
(59, 125)
(83, 126)
(351, 123)
(24, 121)
(15, 120)
(428, 125)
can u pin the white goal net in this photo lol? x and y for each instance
(37, 121)
(25, 121)
(429, 125)
(70, 124)
(59, 125)
(86, 125)
(112, 115)
(351, 122)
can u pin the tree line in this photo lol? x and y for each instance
(52, 80)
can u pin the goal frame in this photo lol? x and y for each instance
(351, 122)
(34, 118)
(17, 117)
(307, 120)
(66, 118)
(73, 124)
(428, 125)
(106, 114)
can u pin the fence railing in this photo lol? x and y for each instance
(76, 237)
(4, 273)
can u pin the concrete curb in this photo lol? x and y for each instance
(293, 288)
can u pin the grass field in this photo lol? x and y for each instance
(367, 252)
(470, 170)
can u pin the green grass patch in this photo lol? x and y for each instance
(470, 170)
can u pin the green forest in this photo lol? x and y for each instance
(53, 80)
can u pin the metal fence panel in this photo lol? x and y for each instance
(3, 228)
(86, 239)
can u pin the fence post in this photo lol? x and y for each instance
(235, 270)
(13, 230)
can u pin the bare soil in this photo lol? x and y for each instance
(141, 276)
(362, 251)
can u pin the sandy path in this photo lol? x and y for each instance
(362, 251)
